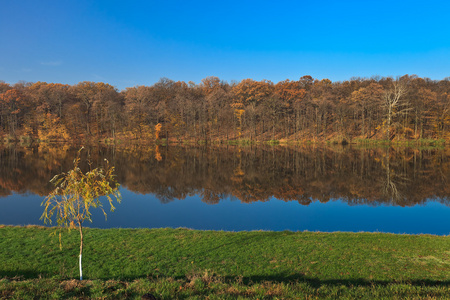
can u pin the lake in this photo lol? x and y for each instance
(235, 188)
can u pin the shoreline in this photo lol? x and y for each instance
(236, 142)
(231, 231)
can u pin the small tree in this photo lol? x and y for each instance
(76, 193)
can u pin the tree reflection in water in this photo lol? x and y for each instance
(375, 176)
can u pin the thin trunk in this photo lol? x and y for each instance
(405, 124)
(273, 129)
(363, 123)
(389, 122)
(421, 128)
(81, 247)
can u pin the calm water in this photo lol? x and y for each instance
(401, 190)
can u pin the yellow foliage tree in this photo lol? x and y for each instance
(74, 196)
(157, 130)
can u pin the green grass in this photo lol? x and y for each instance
(273, 142)
(364, 141)
(189, 264)
(242, 142)
(402, 142)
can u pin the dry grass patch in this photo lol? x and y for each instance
(71, 285)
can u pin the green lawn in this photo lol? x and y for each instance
(190, 264)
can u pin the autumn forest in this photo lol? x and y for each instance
(377, 108)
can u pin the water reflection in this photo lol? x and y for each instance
(388, 176)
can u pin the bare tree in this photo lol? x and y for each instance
(394, 101)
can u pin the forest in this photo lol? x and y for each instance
(360, 109)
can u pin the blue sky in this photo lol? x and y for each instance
(128, 43)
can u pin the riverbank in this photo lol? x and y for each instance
(191, 264)
(304, 140)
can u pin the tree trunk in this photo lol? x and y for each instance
(81, 248)
(363, 123)
(389, 122)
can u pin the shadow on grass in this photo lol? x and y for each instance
(39, 285)
(23, 274)
(248, 280)
(316, 283)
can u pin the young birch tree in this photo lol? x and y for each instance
(76, 193)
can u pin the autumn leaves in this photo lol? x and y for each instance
(405, 108)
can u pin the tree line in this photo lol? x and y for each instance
(382, 108)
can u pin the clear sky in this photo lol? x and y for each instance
(128, 43)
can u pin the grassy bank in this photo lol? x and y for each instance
(27, 141)
(180, 263)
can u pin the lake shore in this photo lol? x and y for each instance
(192, 264)
(304, 140)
